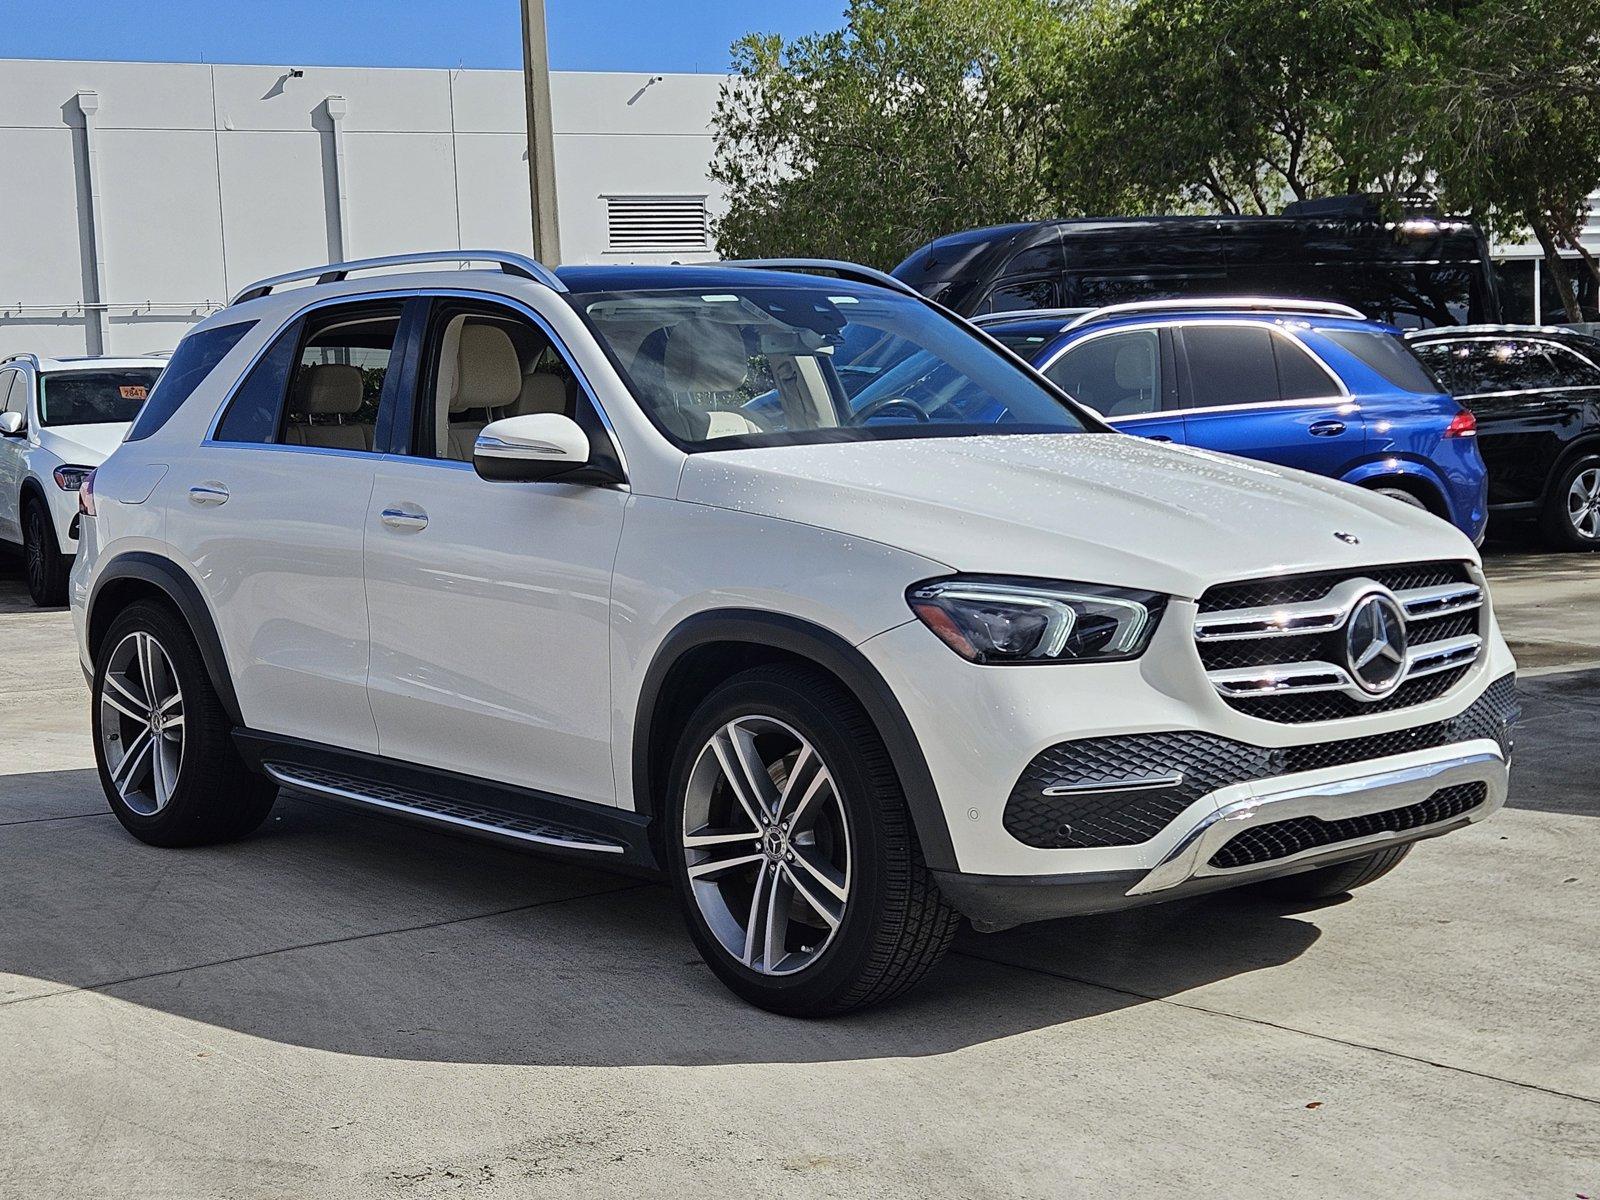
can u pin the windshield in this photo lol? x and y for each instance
(773, 366)
(94, 397)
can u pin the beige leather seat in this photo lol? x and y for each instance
(478, 372)
(706, 358)
(1133, 368)
(542, 393)
(322, 391)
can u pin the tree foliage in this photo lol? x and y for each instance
(921, 117)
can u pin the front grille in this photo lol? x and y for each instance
(1284, 839)
(1102, 815)
(1276, 648)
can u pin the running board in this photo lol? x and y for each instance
(435, 809)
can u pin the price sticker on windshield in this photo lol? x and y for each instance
(133, 391)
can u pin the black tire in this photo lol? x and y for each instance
(42, 561)
(1557, 522)
(1324, 883)
(895, 924)
(1404, 496)
(216, 797)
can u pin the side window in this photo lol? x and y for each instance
(1118, 375)
(1299, 376)
(336, 379)
(1501, 365)
(1014, 295)
(195, 358)
(1570, 369)
(1452, 363)
(255, 409)
(1230, 364)
(486, 363)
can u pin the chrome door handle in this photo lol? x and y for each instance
(1326, 428)
(400, 518)
(208, 494)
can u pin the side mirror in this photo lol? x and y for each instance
(529, 448)
(12, 424)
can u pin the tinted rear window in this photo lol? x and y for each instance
(195, 358)
(1386, 354)
(95, 397)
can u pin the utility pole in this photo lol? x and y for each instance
(541, 134)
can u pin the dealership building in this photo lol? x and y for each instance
(137, 197)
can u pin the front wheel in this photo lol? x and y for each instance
(792, 850)
(163, 744)
(1571, 517)
(43, 561)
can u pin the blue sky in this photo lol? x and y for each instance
(585, 35)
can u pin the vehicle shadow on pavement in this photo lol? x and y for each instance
(354, 934)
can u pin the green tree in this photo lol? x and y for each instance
(919, 117)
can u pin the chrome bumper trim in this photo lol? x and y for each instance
(1330, 801)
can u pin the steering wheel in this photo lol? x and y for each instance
(878, 407)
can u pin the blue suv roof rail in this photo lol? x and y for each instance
(508, 262)
(1324, 308)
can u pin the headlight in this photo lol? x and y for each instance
(70, 479)
(997, 621)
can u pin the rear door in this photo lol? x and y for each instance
(1126, 375)
(1248, 388)
(271, 511)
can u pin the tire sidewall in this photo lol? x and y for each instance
(1558, 521)
(37, 531)
(845, 959)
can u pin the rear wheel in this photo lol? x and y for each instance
(1571, 517)
(792, 850)
(1324, 883)
(1405, 497)
(43, 563)
(163, 744)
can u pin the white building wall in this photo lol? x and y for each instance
(212, 176)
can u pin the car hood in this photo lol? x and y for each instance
(1101, 508)
(82, 445)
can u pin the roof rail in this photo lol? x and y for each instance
(23, 357)
(1028, 314)
(1325, 308)
(511, 264)
(853, 272)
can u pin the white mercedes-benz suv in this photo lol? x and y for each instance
(59, 418)
(773, 578)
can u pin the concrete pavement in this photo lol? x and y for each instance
(343, 1006)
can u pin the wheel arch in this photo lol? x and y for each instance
(1406, 475)
(1581, 446)
(138, 575)
(711, 646)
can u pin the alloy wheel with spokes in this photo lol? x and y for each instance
(766, 845)
(1583, 503)
(142, 723)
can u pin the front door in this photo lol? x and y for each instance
(1250, 390)
(13, 449)
(490, 602)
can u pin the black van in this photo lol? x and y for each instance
(1419, 271)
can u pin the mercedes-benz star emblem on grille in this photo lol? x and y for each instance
(1375, 643)
(1348, 539)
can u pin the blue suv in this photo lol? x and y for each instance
(1304, 384)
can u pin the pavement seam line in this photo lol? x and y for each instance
(70, 989)
(63, 817)
(1322, 1037)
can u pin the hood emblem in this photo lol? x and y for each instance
(1375, 643)
(1349, 539)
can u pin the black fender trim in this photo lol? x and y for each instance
(829, 651)
(170, 579)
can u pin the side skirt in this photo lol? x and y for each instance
(578, 829)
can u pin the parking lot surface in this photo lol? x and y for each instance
(344, 1006)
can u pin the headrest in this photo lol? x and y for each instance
(705, 356)
(541, 393)
(1132, 367)
(487, 373)
(328, 389)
